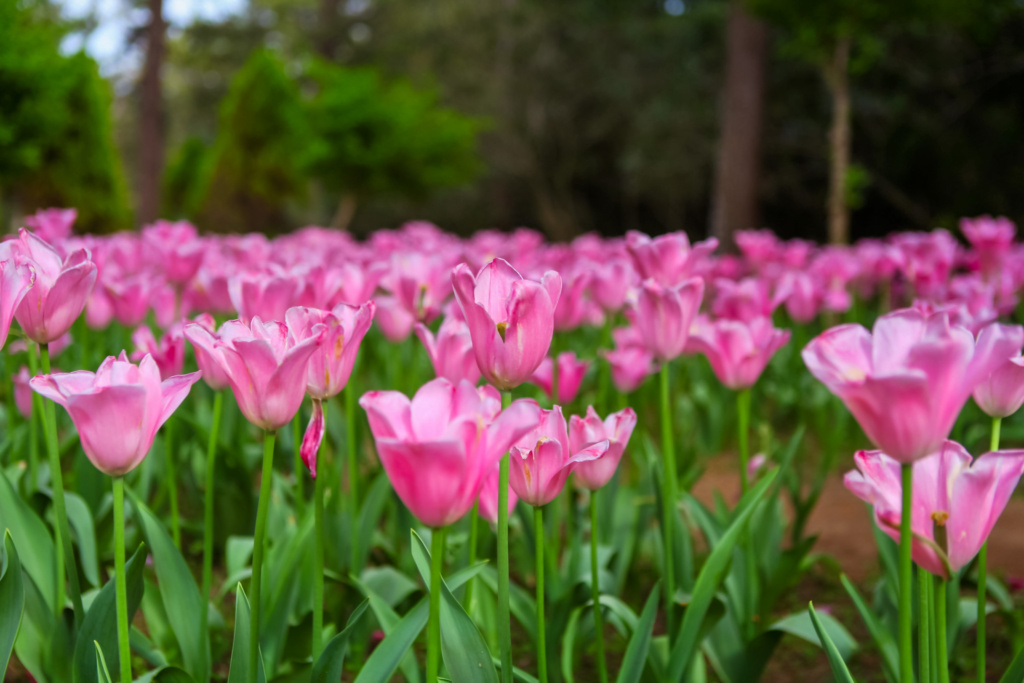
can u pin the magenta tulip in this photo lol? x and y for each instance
(583, 432)
(451, 351)
(118, 409)
(667, 259)
(631, 363)
(61, 289)
(542, 460)
(266, 295)
(174, 248)
(168, 353)
(744, 299)
(991, 239)
(15, 282)
(439, 448)
(956, 501)
(738, 351)
(613, 280)
(510, 319)
(906, 381)
(52, 225)
(663, 315)
(571, 372)
(265, 365)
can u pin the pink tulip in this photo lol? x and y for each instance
(420, 283)
(571, 372)
(542, 460)
(15, 282)
(265, 364)
(572, 307)
(738, 351)
(56, 347)
(907, 381)
(631, 363)
(331, 365)
(958, 498)
(439, 448)
(451, 351)
(487, 501)
(60, 291)
(23, 392)
(510, 319)
(266, 295)
(130, 297)
(168, 353)
(615, 429)
(118, 409)
(802, 294)
(354, 283)
(174, 248)
(663, 316)
(991, 239)
(613, 280)
(667, 259)
(52, 225)
(394, 320)
(743, 300)
(213, 371)
(1002, 393)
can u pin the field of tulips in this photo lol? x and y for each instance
(420, 457)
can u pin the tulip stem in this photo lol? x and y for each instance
(172, 483)
(668, 495)
(318, 563)
(743, 414)
(538, 533)
(33, 422)
(504, 617)
(595, 590)
(997, 423)
(123, 649)
(353, 472)
(297, 467)
(604, 369)
(211, 455)
(434, 625)
(65, 555)
(940, 630)
(924, 626)
(467, 598)
(906, 647)
(262, 507)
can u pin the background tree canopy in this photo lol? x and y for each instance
(570, 116)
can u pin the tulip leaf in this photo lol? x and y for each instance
(388, 620)
(879, 633)
(521, 603)
(801, 626)
(331, 664)
(173, 674)
(12, 597)
(238, 669)
(463, 647)
(709, 578)
(179, 593)
(835, 659)
(37, 628)
(80, 518)
(369, 515)
(100, 623)
(1015, 672)
(33, 539)
(640, 642)
(102, 673)
(569, 644)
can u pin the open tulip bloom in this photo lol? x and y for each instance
(15, 281)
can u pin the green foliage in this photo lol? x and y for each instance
(185, 179)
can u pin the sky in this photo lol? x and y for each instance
(108, 43)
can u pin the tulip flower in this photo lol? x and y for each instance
(394, 320)
(15, 282)
(738, 351)
(906, 381)
(991, 239)
(572, 305)
(510, 319)
(488, 498)
(420, 283)
(612, 281)
(130, 297)
(1002, 393)
(662, 315)
(667, 259)
(956, 500)
(631, 363)
(571, 372)
(23, 392)
(451, 351)
(213, 371)
(743, 299)
(60, 291)
(174, 247)
(264, 294)
(583, 432)
(52, 225)
(168, 353)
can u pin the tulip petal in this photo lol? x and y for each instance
(313, 437)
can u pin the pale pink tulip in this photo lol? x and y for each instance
(1002, 393)
(118, 409)
(168, 352)
(631, 363)
(738, 351)
(213, 371)
(615, 429)
(15, 282)
(663, 315)
(265, 295)
(451, 351)
(571, 372)
(174, 248)
(991, 239)
(52, 225)
(667, 259)
(394, 321)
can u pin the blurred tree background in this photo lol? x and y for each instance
(819, 120)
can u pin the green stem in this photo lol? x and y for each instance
(538, 533)
(211, 455)
(123, 649)
(353, 471)
(434, 625)
(924, 626)
(65, 558)
(297, 467)
(940, 630)
(668, 495)
(33, 422)
(743, 411)
(171, 482)
(504, 617)
(595, 590)
(997, 423)
(906, 647)
(467, 598)
(262, 507)
(604, 369)
(318, 563)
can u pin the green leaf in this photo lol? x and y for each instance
(879, 633)
(711, 575)
(800, 625)
(100, 623)
(35, 545)
(331, 664)
(12, 597)
(369, 516)
(640, 642)
(521, 604)
(102, 673)
(173, 674)
(1015, 672)
(389, 620)
(463, 647)
(835, 659)
(569, 644)
(179, 593)
(238, 669)
(80, 518)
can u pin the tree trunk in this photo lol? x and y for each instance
(346, 210)
(151, 123)
(738, 172)
(838, 79)
(328, 25)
